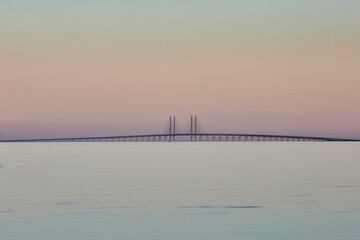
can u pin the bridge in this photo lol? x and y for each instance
(194, 134)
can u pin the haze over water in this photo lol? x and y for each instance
(179, 190)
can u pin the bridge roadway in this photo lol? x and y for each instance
(201, 137)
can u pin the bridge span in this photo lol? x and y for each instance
(192, 135)
(200, 137)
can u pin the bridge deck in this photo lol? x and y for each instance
(192, 137)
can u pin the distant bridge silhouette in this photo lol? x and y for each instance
(194, 133)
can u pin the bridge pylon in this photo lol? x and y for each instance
(193, 127)
(172, 129)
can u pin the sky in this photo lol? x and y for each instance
(94, 68)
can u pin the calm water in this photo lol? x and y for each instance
(179, 191)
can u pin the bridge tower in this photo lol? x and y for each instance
(193, 128)
(172, 129)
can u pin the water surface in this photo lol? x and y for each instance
(180, 190)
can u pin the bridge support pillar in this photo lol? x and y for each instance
(220, 138)
(258, 139)
(252, 138)
(227, 138)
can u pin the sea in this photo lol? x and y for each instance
(180, 190)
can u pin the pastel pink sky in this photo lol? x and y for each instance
(62, 75)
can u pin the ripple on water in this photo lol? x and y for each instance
(215, 213)
(239, 207)
(58, 203)
(344, 186)
(6, 211)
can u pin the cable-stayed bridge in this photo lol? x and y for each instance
(193, 132)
